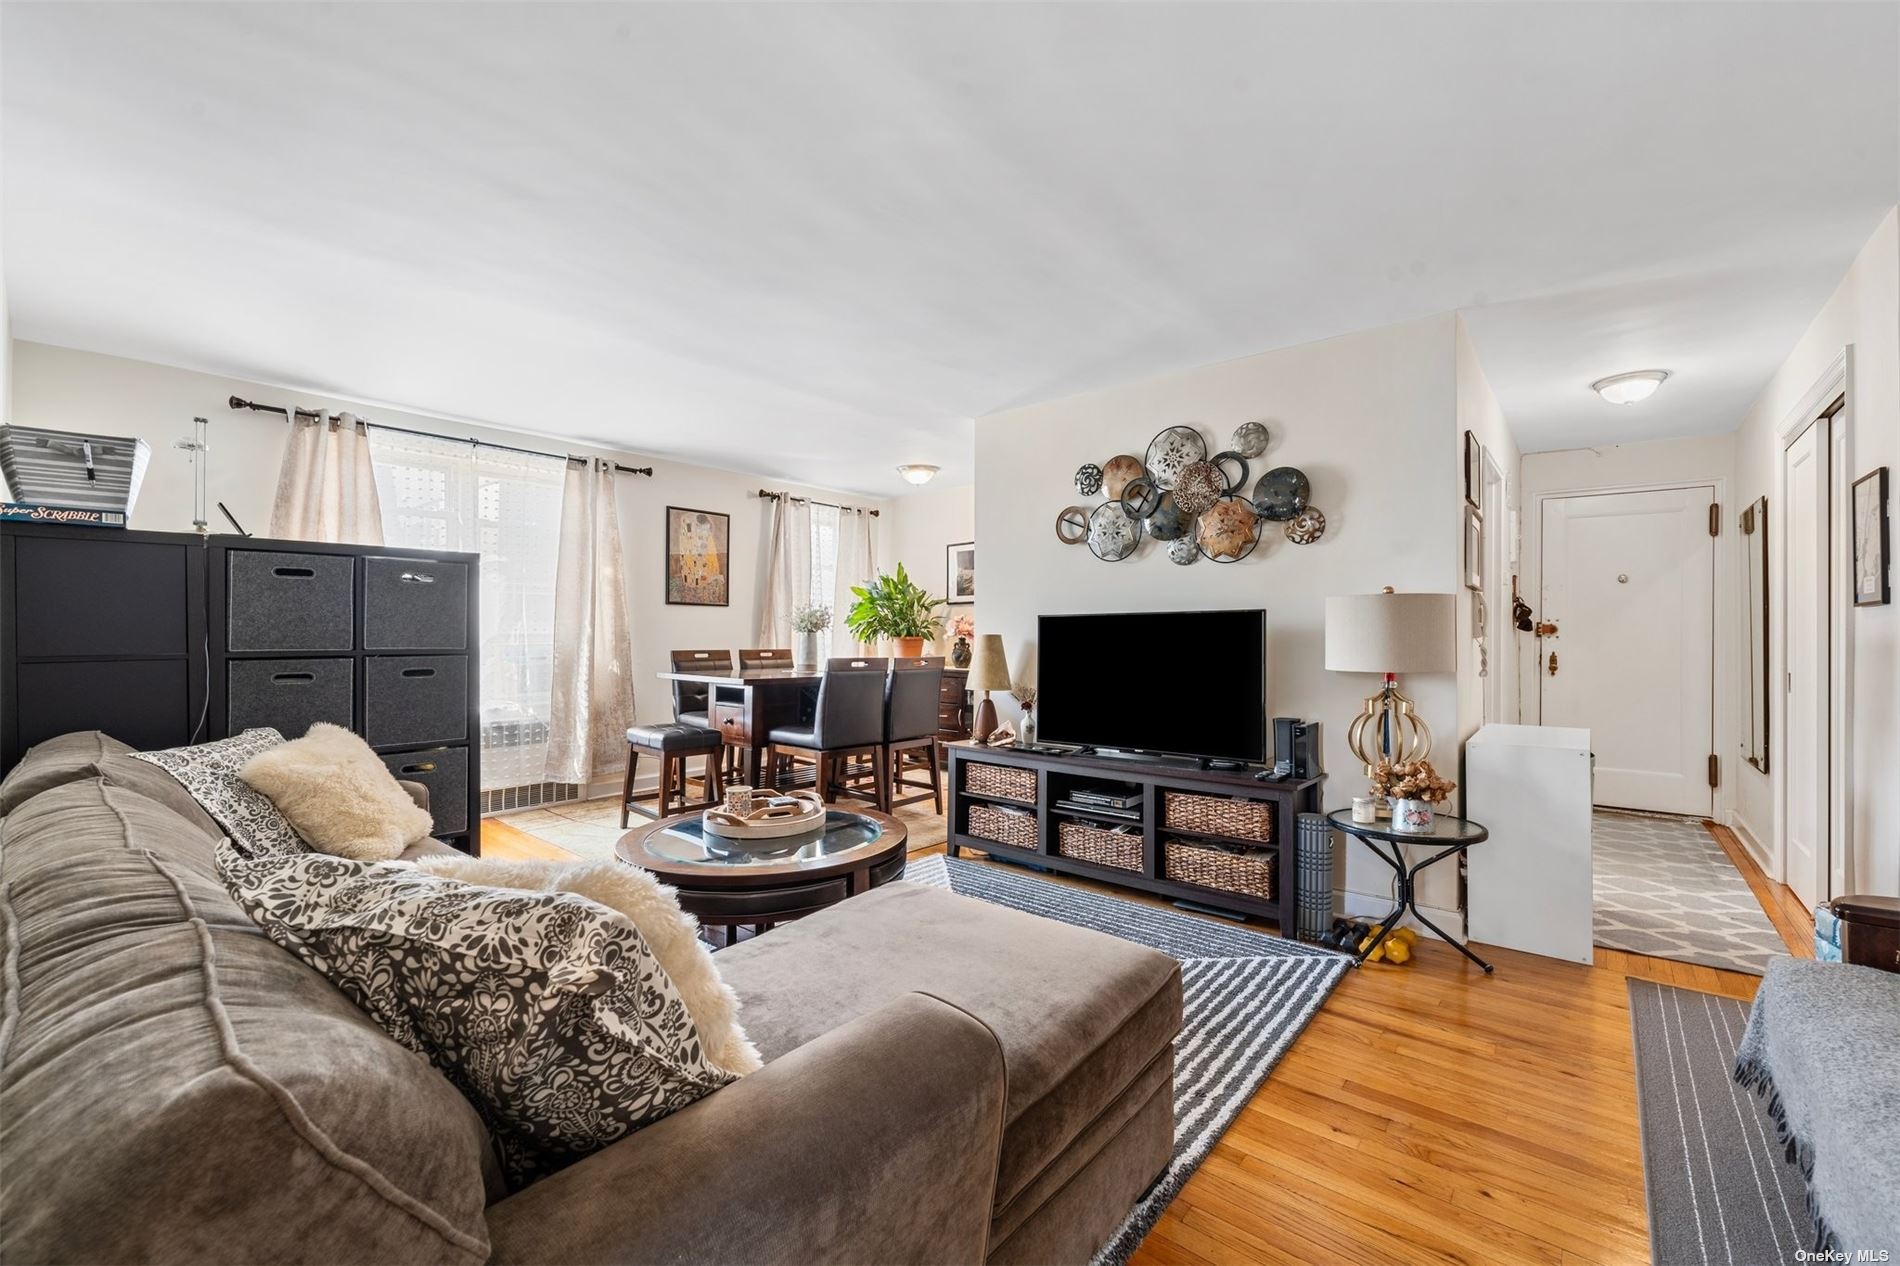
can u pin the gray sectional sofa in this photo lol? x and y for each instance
(946, 1081)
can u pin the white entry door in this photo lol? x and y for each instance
(1629, 581)
(1806, 747)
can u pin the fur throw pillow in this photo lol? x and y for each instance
(654, 909)
(339, 795)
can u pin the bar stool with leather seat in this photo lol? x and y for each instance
(673, 744)
(847, 721)
(692, 700)
(911, 707)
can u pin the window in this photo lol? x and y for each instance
(450, 495)
(824, 559)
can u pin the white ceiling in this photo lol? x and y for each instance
(815, 241)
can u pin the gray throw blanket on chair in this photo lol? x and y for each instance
(1823, 1043)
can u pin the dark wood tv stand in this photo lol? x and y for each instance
(1153, 777)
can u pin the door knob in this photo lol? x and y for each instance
(1553, 663)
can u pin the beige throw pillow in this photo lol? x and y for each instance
(652, 908)
(338, 795)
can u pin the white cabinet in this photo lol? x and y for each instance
(1528, 886)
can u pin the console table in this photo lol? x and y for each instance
(1045, 778)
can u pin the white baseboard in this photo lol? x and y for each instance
(1375, 906)
(1756, 849)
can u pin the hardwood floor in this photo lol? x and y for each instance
(1432, 1114)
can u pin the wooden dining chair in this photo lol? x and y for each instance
(692, 700)
(770, 657)
(910, 727)
(847, 726)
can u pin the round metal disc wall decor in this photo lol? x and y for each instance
(1198, 486)
(1116, 473)
(1088, 479)
(1221, 461)
(1113, 535)
(1228, 530)
(1072, 525)
(1141, 498)
(1281, 493)
(1306, 527)
(1167, 523)
(1171, 451)
(1183, 550)
(1250, 439)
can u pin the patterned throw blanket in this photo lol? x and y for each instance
(1823, 1043)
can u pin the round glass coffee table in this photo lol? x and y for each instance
(738, 883)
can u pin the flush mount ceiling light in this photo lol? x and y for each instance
(1630, 388)
(918, 472)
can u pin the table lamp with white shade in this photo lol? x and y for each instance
(1391, 633)
(989, 670)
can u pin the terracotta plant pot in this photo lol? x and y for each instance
(909, 647)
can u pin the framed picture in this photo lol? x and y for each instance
(1870, 540)
(1474, 549)
(698, 558)
(1474, 469)
(959, 573)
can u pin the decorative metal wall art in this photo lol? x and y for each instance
(1196, 505)
(1116, 473)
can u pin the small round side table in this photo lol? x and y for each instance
(1452, 835)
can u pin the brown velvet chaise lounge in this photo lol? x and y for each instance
(946, 1081)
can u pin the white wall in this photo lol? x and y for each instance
(1704, 459)
(62, 388)
(1864, 313)
(1480, 413)
(1370, 417)
(923, 525)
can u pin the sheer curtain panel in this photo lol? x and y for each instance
(326, 488)
(856, 568)
(788, 571)
(592, 703)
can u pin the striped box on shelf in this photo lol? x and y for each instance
(1004, 826)
(1003, 781)
(1218, 815)
(1248, 872)
(1089, 843)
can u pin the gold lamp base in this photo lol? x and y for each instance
(1388, 729)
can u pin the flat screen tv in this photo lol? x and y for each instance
(1180, 683)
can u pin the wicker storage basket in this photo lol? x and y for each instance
(987, 822)
(1249, 873)
(1096, 844)
(1001, 780)
(1218, 815)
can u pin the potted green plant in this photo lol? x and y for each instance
(894, 608)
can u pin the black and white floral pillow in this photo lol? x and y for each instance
(209, 771)
(548, 1011)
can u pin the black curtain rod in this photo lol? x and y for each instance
(238, 402)
(769, 495)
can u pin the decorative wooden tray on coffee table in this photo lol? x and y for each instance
(770, 818)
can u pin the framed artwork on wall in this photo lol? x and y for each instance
(698, 558)
(1474, 469)
(959, 573)
(1474, 549)
(1871, 588)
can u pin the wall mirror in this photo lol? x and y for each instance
(1755, 617)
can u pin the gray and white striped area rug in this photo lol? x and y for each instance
(1245, 995)
(1721, 1189)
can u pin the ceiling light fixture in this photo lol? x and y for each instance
(1631, 388)
(918, 472)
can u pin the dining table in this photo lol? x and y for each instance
(747, 704)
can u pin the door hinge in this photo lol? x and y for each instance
(1715, 518)
(1715, 779)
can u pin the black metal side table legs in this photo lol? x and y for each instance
(1407, 880)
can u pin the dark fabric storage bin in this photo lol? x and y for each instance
(444, 771)
(413, 700)
(289, 695)
(290, 602)
(412, 604)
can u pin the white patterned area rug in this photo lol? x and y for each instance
(1665, 888)
(1246, 996)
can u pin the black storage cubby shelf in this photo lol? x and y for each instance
(1058, 774)
(154, 637)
